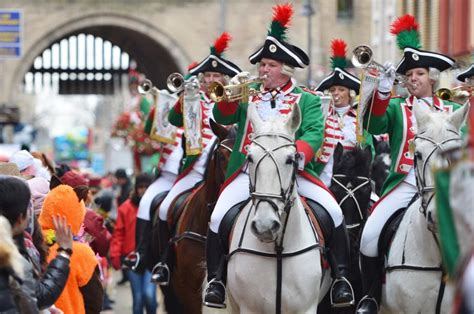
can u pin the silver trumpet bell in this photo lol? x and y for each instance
(175, 82)
(146, 87)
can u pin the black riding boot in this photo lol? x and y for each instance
(371, 284)
(161, 272)
(215, 290)
(342, 294)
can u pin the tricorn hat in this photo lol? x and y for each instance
(276, 46)
(408, 40)
(469, 72)
(215, 62)
(339, 76)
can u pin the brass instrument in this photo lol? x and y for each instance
(362, 58)
(233, 92)
(450, 94)
(175, 82)
(146, 87)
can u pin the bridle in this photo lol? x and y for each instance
(350, 194)
(285, 195)
(425, 191)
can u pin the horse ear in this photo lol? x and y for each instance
(54, 182)
(293, 123)
(459, 116)
(422, 114)
(220, 131)
(338, 151)
(254, 117)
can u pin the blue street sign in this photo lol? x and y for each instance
(11, 33)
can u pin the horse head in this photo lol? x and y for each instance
(351, 183)
(273, 162)
(438, 132)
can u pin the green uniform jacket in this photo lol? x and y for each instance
(393, 116)
(309, 136)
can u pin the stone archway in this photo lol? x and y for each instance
(157, 53)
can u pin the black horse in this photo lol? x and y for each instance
(380, 165)
(351, 185)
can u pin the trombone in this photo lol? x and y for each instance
(362, 58)
(233, 92)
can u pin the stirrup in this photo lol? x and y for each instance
(154, 275)
(212, 304)
(346, 304)
(370, 299)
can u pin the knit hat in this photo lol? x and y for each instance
(276, 45)
(408, 40)
(39, 188)
(469, 72)
(215, 62)
(62, 200)
(74, 179)
(23, 159)
(338, 63)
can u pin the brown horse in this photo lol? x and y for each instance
(190, 235)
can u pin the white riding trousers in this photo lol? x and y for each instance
(238, 191)
(180, 186)
(163, 183)
(388, 205)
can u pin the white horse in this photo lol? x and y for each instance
(414, 276)
(274, 221)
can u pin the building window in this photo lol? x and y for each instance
(345, 9)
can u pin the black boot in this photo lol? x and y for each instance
(371, 268)
(215, 290)
(160, 273)
(342, 294)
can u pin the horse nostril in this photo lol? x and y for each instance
(253, 227)
(275, 227)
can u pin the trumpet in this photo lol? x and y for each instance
(450, 94)
(175, 82)
(146, 87)
(234, 92)
(362, 58)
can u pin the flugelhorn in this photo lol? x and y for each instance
(175, 82)
(146, 87)
(362, 58)
(234, 92)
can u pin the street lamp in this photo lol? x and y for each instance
(308, 11)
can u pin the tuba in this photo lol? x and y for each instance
(234, 92)
(362, 58)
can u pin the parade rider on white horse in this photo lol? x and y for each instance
(277, 95)
(214, 68)
(394, 116)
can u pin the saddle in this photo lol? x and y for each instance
(319, 217)
(155, 203)
(391, 227)
(177, 208)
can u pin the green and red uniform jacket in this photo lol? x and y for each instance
(176, 118)
(309, 136)
(393, 116)
(333, 134)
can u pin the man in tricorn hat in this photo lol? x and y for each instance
(277, 96)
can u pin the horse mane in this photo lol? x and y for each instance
(353, 163)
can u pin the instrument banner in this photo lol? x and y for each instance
(369, 83)
(162, 130)
(192, 118)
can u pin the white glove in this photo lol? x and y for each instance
(386, 79)
(240, 78)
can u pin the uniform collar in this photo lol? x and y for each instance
(437, 103)
(285, 89)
